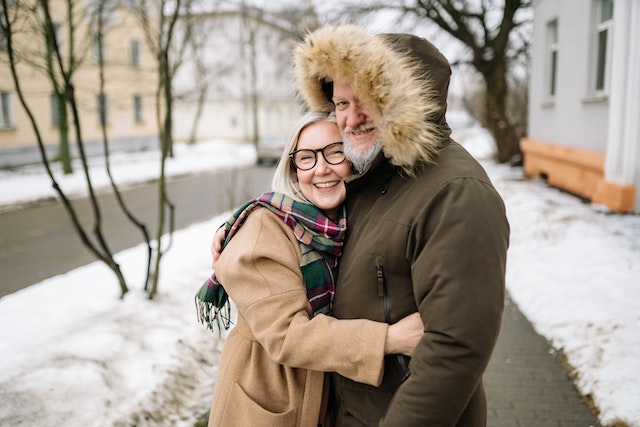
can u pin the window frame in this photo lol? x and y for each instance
(59, 42)
(6, 110)
(552, 57)
(138, 110)
(134, 58)
(4, 40)
(602, 49)
(55, 111)
(103, 109)
(98, 47)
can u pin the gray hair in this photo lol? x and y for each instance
(283, 181)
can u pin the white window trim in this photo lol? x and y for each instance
(594, 94)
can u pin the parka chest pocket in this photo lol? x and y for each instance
(393, 288)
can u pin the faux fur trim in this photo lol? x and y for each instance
(402, 103)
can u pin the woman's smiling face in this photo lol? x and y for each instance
(323, 184)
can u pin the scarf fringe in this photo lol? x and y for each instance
(213, 317)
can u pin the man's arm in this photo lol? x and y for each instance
(458, 270)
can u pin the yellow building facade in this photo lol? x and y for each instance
(130, 80)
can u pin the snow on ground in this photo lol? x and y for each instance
(31, 183)
(74, 354)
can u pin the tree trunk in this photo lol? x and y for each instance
(164, 96)
(64, 153)
(497, 120)
(202, 96)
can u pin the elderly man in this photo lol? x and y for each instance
(427, 231)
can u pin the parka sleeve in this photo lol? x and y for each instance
(260, 270)
(458, 255)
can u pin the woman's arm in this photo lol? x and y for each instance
(260, 271)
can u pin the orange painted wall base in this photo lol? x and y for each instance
(578, 171)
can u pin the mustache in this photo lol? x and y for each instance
(360, 128)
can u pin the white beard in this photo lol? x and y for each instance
(361, 160)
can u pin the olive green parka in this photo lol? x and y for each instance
(427, 232)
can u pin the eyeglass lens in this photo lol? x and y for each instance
(306, 159)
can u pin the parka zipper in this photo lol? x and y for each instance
(382, 292)
(386, 308)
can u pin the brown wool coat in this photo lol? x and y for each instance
(427, 232)
(271, 371)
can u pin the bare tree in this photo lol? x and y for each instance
(203, 64)
(490, 30)
(100, 249)
(250, 30)
(160, 37)
(290, 24)
(42, 58)
(232, 54)
(487, 29)
(202, 85)
(263, 31)
(104, 9)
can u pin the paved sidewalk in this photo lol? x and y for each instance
(526, 382)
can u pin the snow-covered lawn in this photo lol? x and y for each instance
(73, 354)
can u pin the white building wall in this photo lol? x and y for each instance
(226, 56)
(576, 116)
(573, 117)
(230, 120)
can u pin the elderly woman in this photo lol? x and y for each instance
(279, 266)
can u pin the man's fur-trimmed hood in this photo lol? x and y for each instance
(400, 79)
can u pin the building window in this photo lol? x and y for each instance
(103, 109)
(57, 31)
(98, 48)
(55, 110)
(552, 57)
(4, 42)
(135, 53)
(603, 40)
(137, 109)
(6, 115)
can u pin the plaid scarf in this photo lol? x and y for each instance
(320, 241)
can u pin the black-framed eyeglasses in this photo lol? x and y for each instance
(306, 159)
